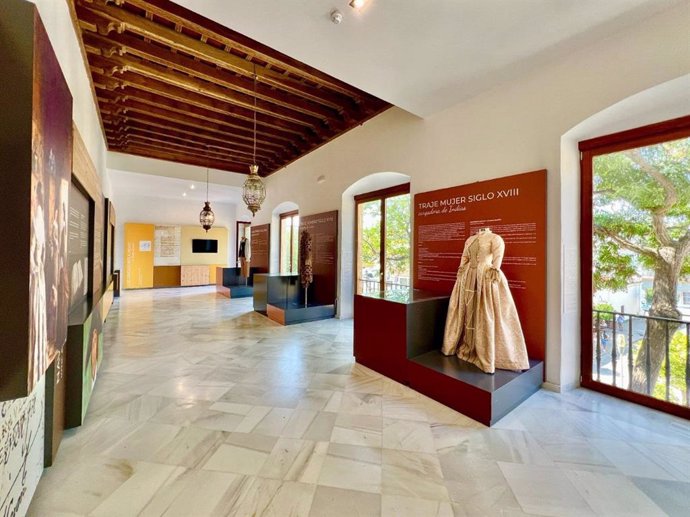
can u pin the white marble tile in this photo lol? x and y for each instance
(613, 494)
(401, 506)
(352, 468)
(413, 474)
(544, 490)
(408, 435)
(134, 494)
(338, 502)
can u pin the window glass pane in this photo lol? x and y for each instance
(285, 240)
(295, 244)
(641, 214)
(369, 246)
(397, 242)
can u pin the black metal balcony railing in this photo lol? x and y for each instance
(374, 286)
(614, 359)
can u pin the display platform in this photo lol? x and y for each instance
(231, 283)
(399, 334)
(390, 326)
(281, 298)
(462, 386)
(292, 313)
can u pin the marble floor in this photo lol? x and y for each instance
(203, 407)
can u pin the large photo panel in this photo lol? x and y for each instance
(513, 207)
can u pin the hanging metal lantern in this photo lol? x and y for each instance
(253, 191)
(206, 216)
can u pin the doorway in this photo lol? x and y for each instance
(383, 233)
(635, 244)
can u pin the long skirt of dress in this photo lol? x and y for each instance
(483, 327)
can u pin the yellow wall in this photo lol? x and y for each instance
(187, 258)
(138, 264)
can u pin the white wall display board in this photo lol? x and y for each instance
(21, 450)
(166, 245)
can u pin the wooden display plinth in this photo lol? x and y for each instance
(400, 336)
(231, 283)
(292, 314)
(281, 298)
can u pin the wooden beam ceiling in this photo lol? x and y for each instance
(173, 85)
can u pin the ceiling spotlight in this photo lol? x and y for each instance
(184, 194)
(192, 186)
(357, 4)
(336, 16)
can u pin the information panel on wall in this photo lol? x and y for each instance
(260, 252)
(513, 207)
(323, 229)
(78, 246)
(166, 245)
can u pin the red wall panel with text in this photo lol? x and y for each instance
(514, 207)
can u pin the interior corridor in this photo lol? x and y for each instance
(203, 407)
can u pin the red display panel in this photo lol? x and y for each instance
(260, 246)
(324, 231)
(513, 207)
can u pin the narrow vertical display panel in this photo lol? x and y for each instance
(323, 229)
(513, 207)
(261, 248)
(35, 165)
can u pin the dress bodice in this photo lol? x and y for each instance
(482, 250)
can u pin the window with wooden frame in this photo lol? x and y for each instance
(383, 233)
(289, 242)
(635, 222)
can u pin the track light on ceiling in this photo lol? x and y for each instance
(357, 4)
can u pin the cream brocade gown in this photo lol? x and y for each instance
(482, 326)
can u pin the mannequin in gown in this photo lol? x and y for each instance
(482, 326)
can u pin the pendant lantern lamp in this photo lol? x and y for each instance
(207, 217)
(254, 191)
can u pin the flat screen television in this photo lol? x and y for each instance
(204, 246)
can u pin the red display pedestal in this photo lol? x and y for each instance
(390, 327)
(400, 335)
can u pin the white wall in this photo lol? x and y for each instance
(156, 210)
(514, 128)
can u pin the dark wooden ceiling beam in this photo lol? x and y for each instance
(143, 123)
(194, 127)
(193, 116)
(117, 66)
(113, 18)
(132, 137)
(133, 110)
(150, 152)
(142, 140)
(196, 99)
(227, 149)
(124, 44)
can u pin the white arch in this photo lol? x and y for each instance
(285, 206)
(347, 266)
(665, 101)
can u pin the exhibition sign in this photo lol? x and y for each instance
(323, 229)
(513, 207)
(261, 247)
